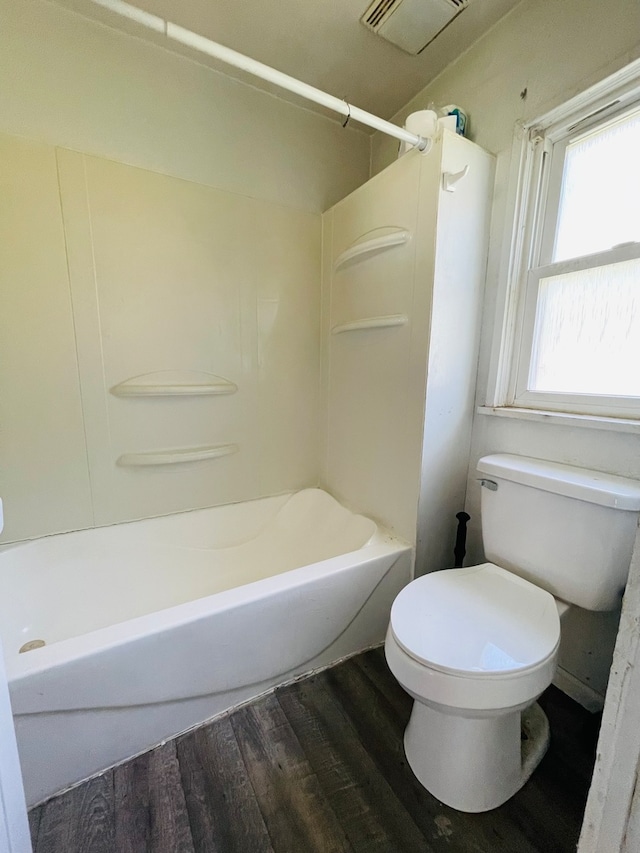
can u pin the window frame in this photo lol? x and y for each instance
(534, 196)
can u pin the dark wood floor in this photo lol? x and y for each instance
(316, 766)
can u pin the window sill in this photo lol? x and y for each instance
(562, 418)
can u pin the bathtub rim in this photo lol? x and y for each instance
(28, 664)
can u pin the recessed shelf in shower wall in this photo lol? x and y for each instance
(379, 240)
(174, 383)
(371, 323)
(175, 456)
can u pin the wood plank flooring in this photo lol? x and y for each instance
(316, 767)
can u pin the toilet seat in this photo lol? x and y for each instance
(481, 622)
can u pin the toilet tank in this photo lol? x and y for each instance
(569, 530)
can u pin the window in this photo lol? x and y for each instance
(575, 305)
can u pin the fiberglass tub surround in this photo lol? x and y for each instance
(155, 626)
(204, 363)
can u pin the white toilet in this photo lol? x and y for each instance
(475, 647)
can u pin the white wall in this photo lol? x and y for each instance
(114, 275)
(375, 378)
(195, 246)
(553, 49)
(78, 84)
(388, 454)
(14, 826)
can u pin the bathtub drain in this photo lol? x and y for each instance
(32, 644)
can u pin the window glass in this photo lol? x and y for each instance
(600, 198)
(587, 332)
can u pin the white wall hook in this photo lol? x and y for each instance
(450, 179)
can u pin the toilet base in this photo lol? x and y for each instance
(474, 764)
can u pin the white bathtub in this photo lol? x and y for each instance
(155, 626)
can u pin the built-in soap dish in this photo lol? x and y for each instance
(31, 645)
(174, 383)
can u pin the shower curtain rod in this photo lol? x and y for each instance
(258, 69)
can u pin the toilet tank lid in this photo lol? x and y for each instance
(568, 480)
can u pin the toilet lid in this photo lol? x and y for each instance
(480, 620)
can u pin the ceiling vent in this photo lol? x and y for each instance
(411, 24)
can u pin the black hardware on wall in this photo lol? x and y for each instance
(461, 539)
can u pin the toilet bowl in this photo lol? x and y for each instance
(475, 647)
(471, 676)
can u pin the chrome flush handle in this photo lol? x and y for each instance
(489, 484)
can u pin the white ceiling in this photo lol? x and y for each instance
(321, 42)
